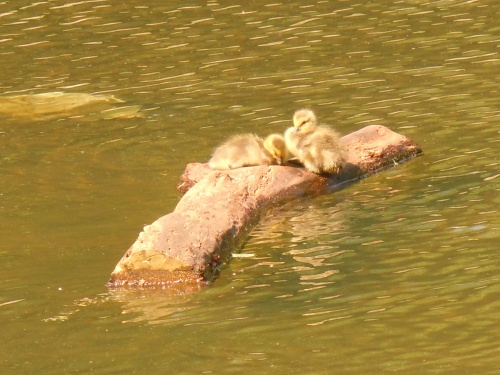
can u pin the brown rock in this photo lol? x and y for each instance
(220, 207)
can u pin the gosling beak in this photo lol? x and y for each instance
(278, 160)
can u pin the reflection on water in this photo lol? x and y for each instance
(396, 273)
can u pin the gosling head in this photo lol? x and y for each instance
(304, 121)
(275, 145)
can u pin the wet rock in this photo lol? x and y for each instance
(220, 207)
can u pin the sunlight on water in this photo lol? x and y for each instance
(103, 104)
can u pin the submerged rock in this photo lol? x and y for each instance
(220, 207)
(52, 105)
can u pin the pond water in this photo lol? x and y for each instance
(395, 274)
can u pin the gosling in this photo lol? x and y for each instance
(246, 150)
(275, 144)
(319, 148)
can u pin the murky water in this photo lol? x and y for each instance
(395, 274)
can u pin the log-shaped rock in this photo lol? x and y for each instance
(219, 208)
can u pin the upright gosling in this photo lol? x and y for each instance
(246, 150)
(319, 148)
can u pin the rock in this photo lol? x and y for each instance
(55, 105)
(220, 207)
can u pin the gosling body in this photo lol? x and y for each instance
(319, 148)
(246, 150)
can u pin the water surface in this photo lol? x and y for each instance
(395, 274)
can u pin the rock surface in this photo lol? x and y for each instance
(219, 208)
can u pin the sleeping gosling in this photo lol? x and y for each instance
(246, 150)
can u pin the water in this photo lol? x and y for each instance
(395, 274)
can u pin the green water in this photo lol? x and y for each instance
(395, 274)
